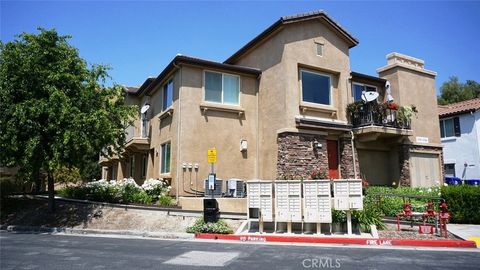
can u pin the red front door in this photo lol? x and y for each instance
(332, 151)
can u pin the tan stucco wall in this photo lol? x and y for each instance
(201, 130)
(280, 58)
(413, 87)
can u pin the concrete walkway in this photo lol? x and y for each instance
(466, 232)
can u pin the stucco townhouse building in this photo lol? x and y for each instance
(277, 108)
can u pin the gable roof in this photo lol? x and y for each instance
(319, 14)
(459, 107)
(151, 82)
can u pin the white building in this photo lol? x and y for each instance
(460, 135)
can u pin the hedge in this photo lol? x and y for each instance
(463, 203)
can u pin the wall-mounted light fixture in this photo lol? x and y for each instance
(316, 145)
(243, 145)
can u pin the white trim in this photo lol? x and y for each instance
(223, 74)
(330, 105)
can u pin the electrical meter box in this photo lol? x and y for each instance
(260, 200)
(317, 201)
(347, 194)
(288, 201)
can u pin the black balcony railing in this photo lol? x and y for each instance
(367, 114)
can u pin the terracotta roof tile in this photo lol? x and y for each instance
(459, 107)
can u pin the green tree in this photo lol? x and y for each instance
(454, 91)
(56, 110)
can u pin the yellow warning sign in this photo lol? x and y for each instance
(212, 155)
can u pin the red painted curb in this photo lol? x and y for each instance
(335, 240)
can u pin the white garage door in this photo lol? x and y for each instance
(424, 169)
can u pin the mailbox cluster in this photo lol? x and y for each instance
(309, 201)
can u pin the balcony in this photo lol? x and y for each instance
(137, 143)
(373, 121)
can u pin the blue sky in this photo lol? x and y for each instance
(138, 39)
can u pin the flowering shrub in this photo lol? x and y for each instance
(391, 105)
(319, 174)
(125, 191)
(155, 187)
(210, 227)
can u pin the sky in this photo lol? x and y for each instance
(138, 39)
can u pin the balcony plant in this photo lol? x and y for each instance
(404, 115)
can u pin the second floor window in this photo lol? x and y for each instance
(358, 89)
(316, 87)
(450, 127)
(167, 95)
(222, 88)
(165, 164)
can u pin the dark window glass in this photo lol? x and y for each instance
(315, 88)
(167, 95)
(357, 92)
(165, 166)
(213, 87)
(449, 169)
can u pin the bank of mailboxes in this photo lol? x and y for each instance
(288, 201)
(260, 200)
(347, 194)
(316, 206)
(317, 201)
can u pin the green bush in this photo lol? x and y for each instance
(338, 216)
(370, 215)
(66, 176)
(200, 226)
(140, 197)
(391, 206)
(463, 203)
(165, 200)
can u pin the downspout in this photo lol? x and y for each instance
(179, 125)
(353, 155)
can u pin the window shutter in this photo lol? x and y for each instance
(456, 126)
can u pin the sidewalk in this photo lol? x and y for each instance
(466, 232)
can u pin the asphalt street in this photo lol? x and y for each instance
(46, 251)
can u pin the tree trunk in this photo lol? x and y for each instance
(37, 181)
(51, 193)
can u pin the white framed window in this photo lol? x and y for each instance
(222, 88)
(319, 47)
(450, 127)
(165, 158)
(167, 95)
(358, 88)
(316, 87)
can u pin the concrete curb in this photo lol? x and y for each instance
(341, 241)
(62, 230)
